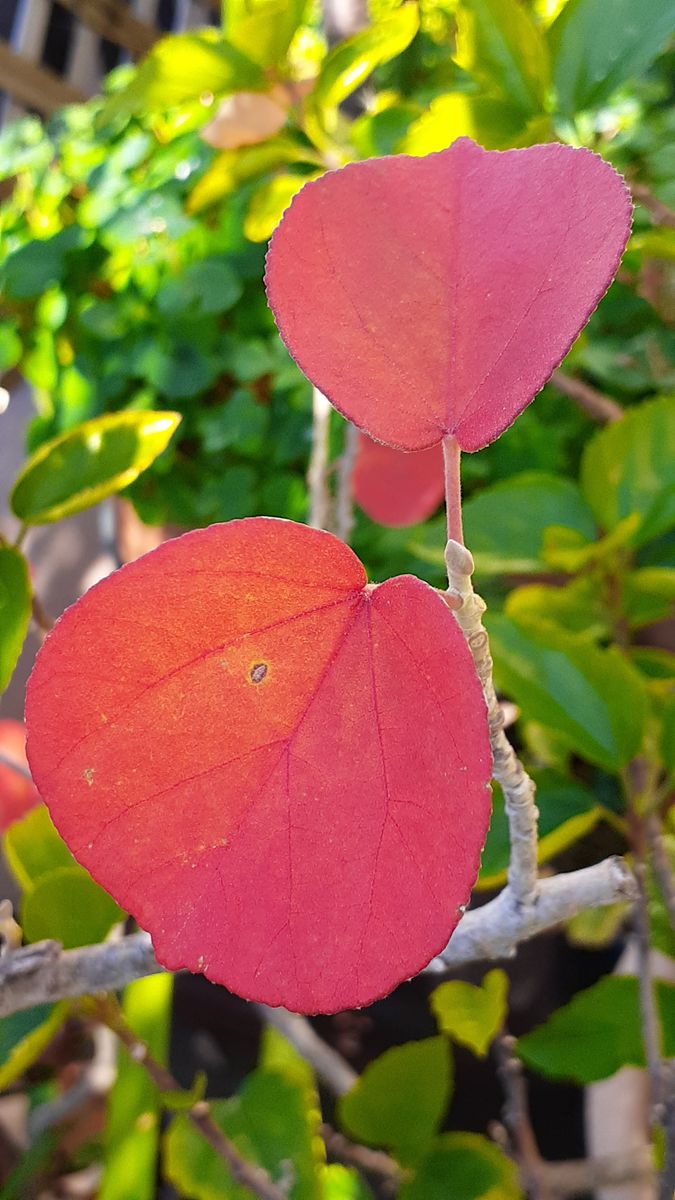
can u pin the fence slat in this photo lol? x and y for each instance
(112, 20)
(33, 86)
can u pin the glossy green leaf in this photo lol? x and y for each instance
(578, 607)
(181, 68)
(598, 1032)
(400, 1099)
(350, 63)
(486, 119)
(15, 606)
(268, 204)
(463, 1166)
(594, 51)
(470, 1015)
(25, 1036)
(264, 32)
(269, 1122)
(88, 463)
(593, 699)
(69, 907)
(567, 812)
(629, 468)
(132, 1129)
(500, 45)
(505, 525)
(33, 848)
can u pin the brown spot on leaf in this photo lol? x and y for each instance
(258, 672)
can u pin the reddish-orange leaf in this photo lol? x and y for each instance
(434, 296)
(17, 794)
(396, 488)
(222, 733)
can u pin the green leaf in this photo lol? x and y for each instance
(15, 606)
(269, 1122)
(33, 848)
(661, 932)
(232, 168)
(209, 286)
(341, 1183)
(40, 263)
(400, 1099)
(25, 1036)
(470, 1015)
(567, 812)
(499, 44)
(597, 928)
(463, 1166)
(593, 699)
(69, 907)
(350, 63)
(629, 468)
(578, 607)
(131, 1137)
(268, 204)
(594, 51)
(598, 1032)
(240, 423)
(648, 595)
(181, 68)
(668, 736)
(88, 463)
(264, 32)
(486, 119)
(505, 525)
(11, 346)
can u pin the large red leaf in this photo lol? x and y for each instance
(17, 794)
(433, 296)
(222, 733)
(396, 488)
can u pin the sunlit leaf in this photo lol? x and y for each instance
(500, 45)
(25, 1036)
(463, 1166)
(353, 60)
(69, 907)
(470, 1015)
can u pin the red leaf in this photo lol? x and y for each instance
(222, 733)
(433, 296)
(17, 795)
(396, 488)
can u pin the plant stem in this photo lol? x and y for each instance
(41, 617)
(651, 1029)
(596, 404)
(517, 1117)
(332, 1069)
(246, 1173)
(344, 507)
(453, 489)
(317, 472)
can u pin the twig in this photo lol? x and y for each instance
(367, 1160)
(661, 865)
(317, 472)
(43, 972)
(516, 1118)
(331, 1068)
(651, 1029)
(7, 761)
(598, 406)
(344, 506)
(658, 210)
(667, 1179)
(246, 1173)
(577, 1177)
(96, 1079)
(41, 617)
(518, 788)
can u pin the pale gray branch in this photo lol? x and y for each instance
(332, 1069)
(344, 504)
(6, 760)
(317, 472)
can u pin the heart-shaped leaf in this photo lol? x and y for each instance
(435, 296)
(222, 733)
(394, 488)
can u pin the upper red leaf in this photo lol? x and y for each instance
(222, 733)
(396, 488)
(433, 296)
(17, 794)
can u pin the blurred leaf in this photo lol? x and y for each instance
(25, 1036)
(598, 1032)
(629, 467)
(69, 907)
(654, 663)
(265, 31)
(472, 1016)
(270, 1123)
(341, 1183)
(245, 119)
(463, 1166)
(400, 1099)
(85, 465)
(668, 736)
(505, 525)
(15, 608)
(350, 63)
(209, 286)
(234, 167)
(648, 595)
(183, 1099)
(40, 263)
(180, 68)
(239, 423)
(486, 119)
(661, 932)
(131, 1136)
(11, 346)
(592, 698)
(33, 848)
(655, 243)
(500, 45)
(578, 607)
(594, 51)
(268, 203)
(567, 812)
(597, 928)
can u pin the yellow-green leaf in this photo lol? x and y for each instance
(472, 1015)
(15, 602)
(347, 66)
(463, 1166)
(499, 44)
(33, 848)
(90, 462)
(234, 167)
(69, 907)
(28, 1049)
(486, 119)
(268, 203)
(264, 32)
